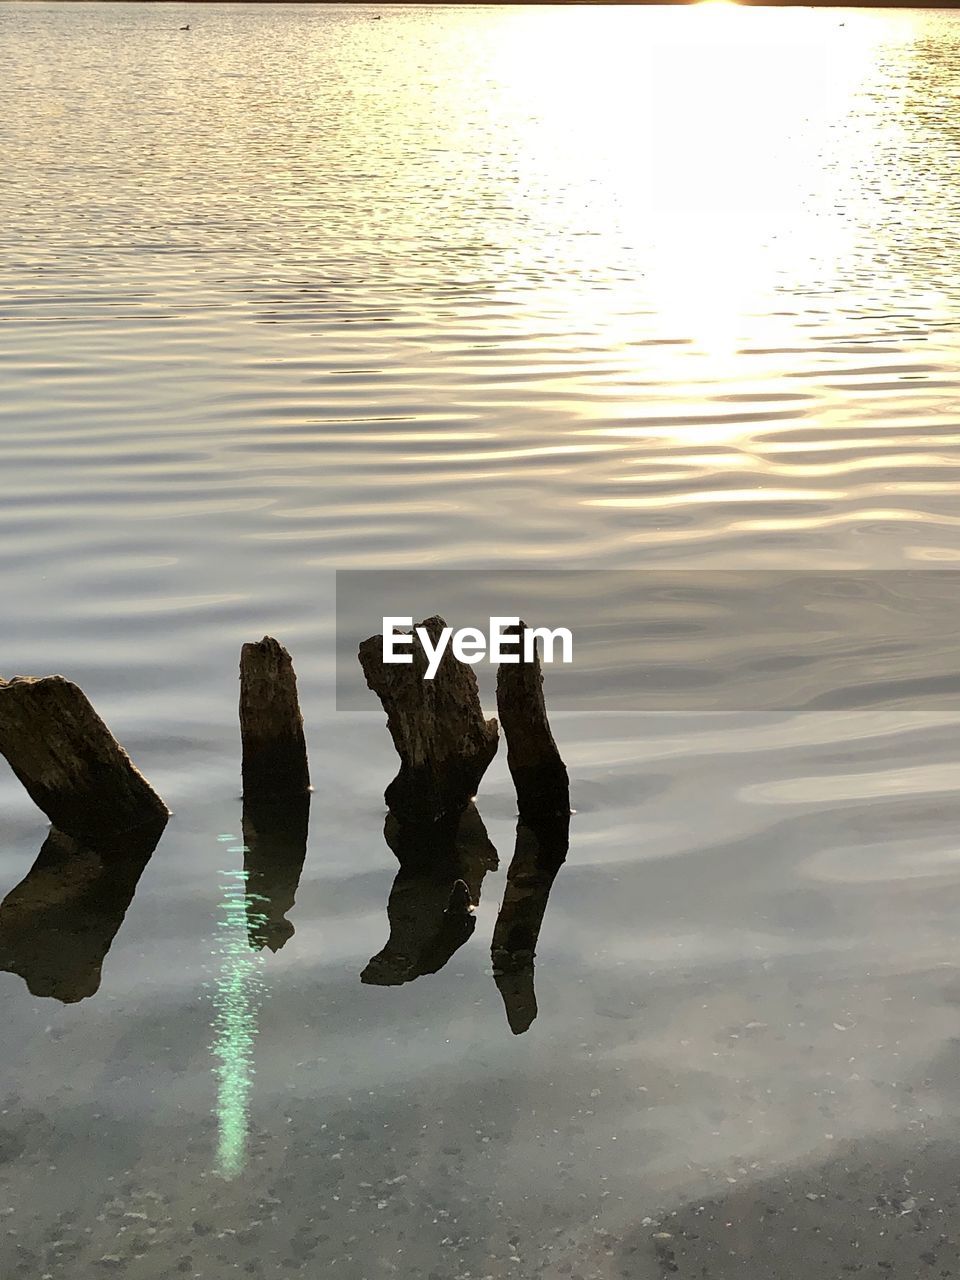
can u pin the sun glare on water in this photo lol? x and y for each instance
(691, 156)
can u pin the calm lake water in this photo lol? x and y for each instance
(300, 290)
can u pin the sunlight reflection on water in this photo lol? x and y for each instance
(237, 997)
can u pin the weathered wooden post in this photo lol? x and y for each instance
(437, 727)
(543, 832)
(70, 763)
(271, 726)
(538, 772)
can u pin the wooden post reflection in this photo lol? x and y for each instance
(540, 852)
(275, 846)
(442, 866)
(58, 924)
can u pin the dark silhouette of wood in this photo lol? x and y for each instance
(271, 726)
(437, 727)
(431, 906)
(275, 846)
(540, 852)
(538, 772)
(57, 925)
(69, 761)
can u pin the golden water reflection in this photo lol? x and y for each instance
(706, 140)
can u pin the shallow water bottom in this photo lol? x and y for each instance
(745, 1034)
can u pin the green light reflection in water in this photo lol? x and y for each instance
(237, 996)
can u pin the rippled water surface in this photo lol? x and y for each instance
(304, 289)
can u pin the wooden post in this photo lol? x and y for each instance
(271, 726)
(538, 772)
(437, 727)
(69, 761)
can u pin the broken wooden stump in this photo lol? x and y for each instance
(271, 726)
(274, 849)
(431, 905)
(538, 772)
(437, 727)
(540, 852)
(70, 763)
(58, 924)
